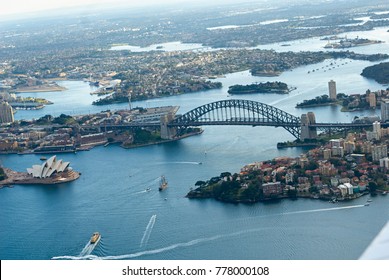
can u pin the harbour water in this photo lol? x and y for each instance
(111, 197)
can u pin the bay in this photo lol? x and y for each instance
(44, 222)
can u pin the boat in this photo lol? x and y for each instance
(162, 183)
(95, 238)
(148, 189)
(367, 204)
(369, 200)
(384, 193)
(43, 158)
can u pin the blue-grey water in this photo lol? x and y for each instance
(44, 222)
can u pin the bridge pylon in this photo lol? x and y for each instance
(308, 132)
(168, 132)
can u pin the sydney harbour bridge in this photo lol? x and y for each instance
(247, 112)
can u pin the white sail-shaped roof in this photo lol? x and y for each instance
(48, 168)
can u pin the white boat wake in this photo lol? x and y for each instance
(192, 242)
(147, 232)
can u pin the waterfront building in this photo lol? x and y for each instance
(346, 189)
(332, 89)
(274, 188)
(48, 168)
(379, 151)
(372, 100)
(6, 113)
(362, 186)
(153, 115)
(384, 110)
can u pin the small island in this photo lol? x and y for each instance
(345, 43)
(268, 87)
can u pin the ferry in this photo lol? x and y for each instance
(43, 158)
(95, 238)
(162, 183)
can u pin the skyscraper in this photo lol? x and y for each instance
(6, 113)
(332, 89)
(372, 100)
(384, 110)
(377, 130)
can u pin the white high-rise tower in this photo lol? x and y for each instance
(332, 89)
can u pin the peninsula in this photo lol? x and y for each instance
(322, 100)
(51, 172)
(339, 170)
(378, 72)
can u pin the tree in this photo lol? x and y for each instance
(200, 183)
(46, 119)
(372, 187)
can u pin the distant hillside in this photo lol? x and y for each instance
(378, 72)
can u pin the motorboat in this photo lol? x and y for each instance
(95, 238)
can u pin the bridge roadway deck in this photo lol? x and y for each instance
(244, 122)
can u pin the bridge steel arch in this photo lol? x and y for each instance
(239, 112)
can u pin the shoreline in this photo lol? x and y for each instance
(163, 141)
(40, 89)
(317, 105)
(280, 197)
(23, 178)
(105, 144)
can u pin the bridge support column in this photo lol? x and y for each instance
(308, 132)
(168, 132)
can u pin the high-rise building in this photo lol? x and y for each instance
(377, 130)
(384, 110)
(372, 100)
(379, 151)
(332, 89)
(6, 113)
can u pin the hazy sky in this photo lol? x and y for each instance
(8, 7)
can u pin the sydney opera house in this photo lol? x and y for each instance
(48, 168)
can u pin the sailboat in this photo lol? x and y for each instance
(162, 183)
